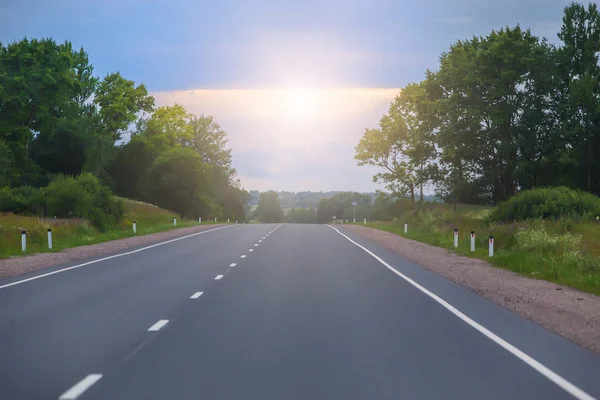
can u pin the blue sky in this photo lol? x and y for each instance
(223, 57)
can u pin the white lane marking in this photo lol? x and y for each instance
(533, 363)
(260, 241)
(218, 277)
(80, 387)
(232, 265)
(158, 325)
(243, 256)
(111, 257)
(264, 237)
(251, 250)
(196, 295)
(256, 245)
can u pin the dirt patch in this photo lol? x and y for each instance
(21, 265)
(566, 311)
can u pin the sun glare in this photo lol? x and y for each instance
(299, 102)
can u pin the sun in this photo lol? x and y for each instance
(299, 102)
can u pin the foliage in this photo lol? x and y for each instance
(177, 178)
(548, 203)
(301, 216)
(340, 207)
(73, 232)
(269, 209)
(501, 113)
(559, 251)
(83, 197)
(57, 118)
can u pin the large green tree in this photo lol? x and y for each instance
(269, 209)
(178, 182)
(578, 59)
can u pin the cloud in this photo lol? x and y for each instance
(292, 138)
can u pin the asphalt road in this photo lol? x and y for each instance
(308, 313)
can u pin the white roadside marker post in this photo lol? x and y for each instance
(23, 241)
(346, 220)
(199, 220)
(174, 221)
(227, 220)
(134, 227)
(405, 228)
(215, 219)
(491, 246)
(472, 240)
(455, 237)
(236, 222)
(365, 221)
(50, 238)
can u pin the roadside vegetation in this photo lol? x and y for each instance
(72, 232)
(71, 141)
(560, 246)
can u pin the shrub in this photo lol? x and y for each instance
(538, 238)
(23, 200)
(548, 203)
(83, 197)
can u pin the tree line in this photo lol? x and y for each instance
(501, 113)
(57, 118)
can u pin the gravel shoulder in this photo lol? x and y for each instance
(22, 265)
(566, 311)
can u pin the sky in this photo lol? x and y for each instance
(294, 84)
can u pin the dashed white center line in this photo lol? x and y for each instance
(157, 326)
(251, 250)
(232, 265)
(256, 245)
(218, 277)
(243, 256)
(196, 295)
(80, 387)
(260, 241)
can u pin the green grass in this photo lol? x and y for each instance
(67, 233)
(563, 251)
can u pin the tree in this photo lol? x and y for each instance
(130, 169)
(43, 83)
(578, 58)
(269, 209)
(169, 127)
(178, 182)
(119, 102)
(210, 141)
(402, 146)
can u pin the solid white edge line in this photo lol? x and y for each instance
(232, 264)
(533, 363)
(158, 325)
(110, 257)
(80, 387)
(196, 295)
(218, 277)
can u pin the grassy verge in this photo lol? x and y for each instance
(67, 233)
(564, 251)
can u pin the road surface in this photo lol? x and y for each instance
(272, 312)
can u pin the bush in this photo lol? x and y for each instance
(548, 203)
(83, 197)
(22, 200)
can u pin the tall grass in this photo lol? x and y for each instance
(561, 251)
(67, 233)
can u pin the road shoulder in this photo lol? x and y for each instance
(17, 266)
(566, 311)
